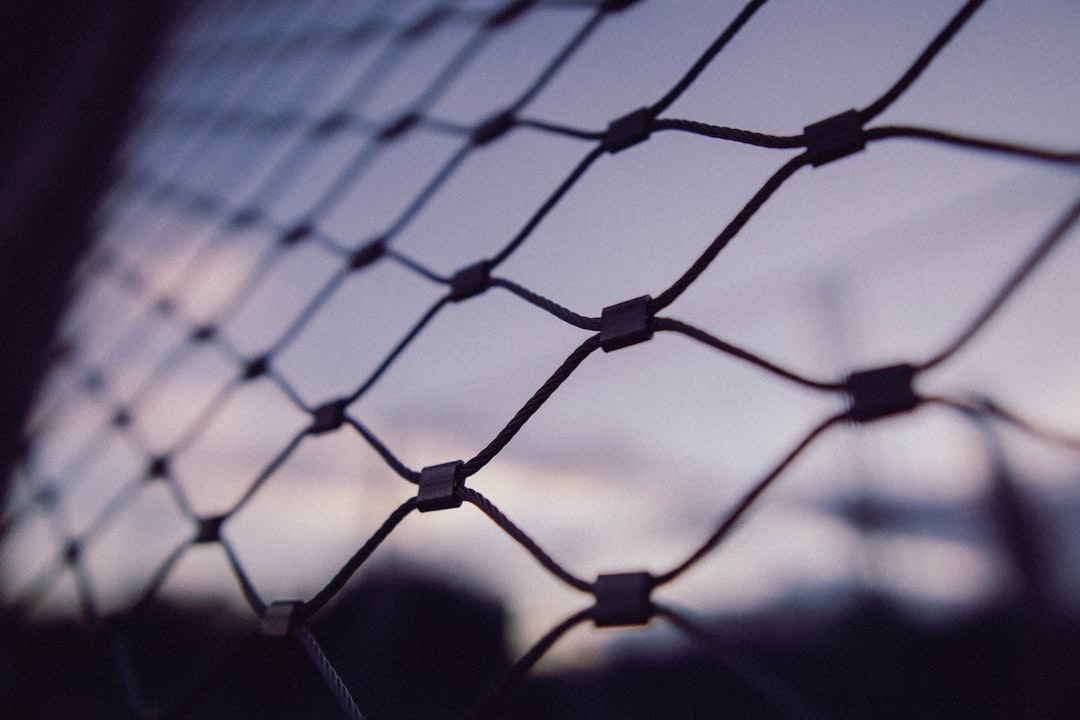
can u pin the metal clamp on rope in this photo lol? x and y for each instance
(625, 324)
(833, 138)
(881, 392)
(437, 485)
(493, 128)
(628, 130)
(158, 467)
(327, 417)
(297, 234)
(367, 254)
(508, 13)
(622, 599)
(279, 618)
(256, 368)
(209, 529)
(399, 127)
(470, 281)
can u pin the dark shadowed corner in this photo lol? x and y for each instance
(71, 72)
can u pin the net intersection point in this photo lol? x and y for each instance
(629, 130)
(209, 530)
(622, 599)
(625, 324)
(438, 484)
(881, 392)
(470, 281)
(328, 417)
(280, 617)
(834, 137)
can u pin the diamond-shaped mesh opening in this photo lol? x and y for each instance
(423, 64)
(384, 187)
(64, 437)
(323, 359)
(171, 408)
(165, 257)
(107, 475)
(523, 45)
(456, 345)
(224, 460)
(118, 586)
(128, 368)
(224, 271)
(112, 308)
(484, 182)
(325, 499)
(316, 179)
(279, 299)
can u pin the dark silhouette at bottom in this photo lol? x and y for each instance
(409, 646)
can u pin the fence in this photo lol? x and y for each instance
(343, 241)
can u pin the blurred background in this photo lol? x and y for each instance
(219, 218)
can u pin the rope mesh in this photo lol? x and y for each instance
(267, 264)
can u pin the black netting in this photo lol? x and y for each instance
(358, 262)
